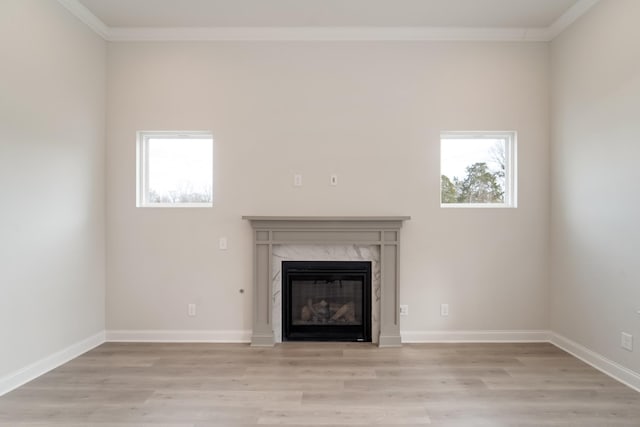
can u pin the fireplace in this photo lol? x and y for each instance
(382, 232)
(326, 301)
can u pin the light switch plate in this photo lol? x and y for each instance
(444, 310)
(627, 341)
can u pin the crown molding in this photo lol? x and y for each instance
(326, 34)
(569, 17)
(124, 34)
(87, 17)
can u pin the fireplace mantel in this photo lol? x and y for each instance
(382, 231)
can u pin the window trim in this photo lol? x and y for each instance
(511, 179)
(142, 166)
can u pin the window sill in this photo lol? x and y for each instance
(176, 205)
(477, 205)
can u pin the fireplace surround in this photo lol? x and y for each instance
(383, 232)
(326, 252)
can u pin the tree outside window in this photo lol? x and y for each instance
(477, 169)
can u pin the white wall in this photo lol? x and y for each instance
(52, 121)
(595, 199)
(370, 112)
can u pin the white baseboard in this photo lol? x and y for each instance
(601, 363)
(475, 336)
(244, 336)
(155, 335)
(42, 366)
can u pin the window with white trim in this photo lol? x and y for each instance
(478, 169)
(174, 169)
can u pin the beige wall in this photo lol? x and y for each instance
(370, 112)
(52, 118)
(595, 199)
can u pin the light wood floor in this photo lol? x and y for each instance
(187, 385)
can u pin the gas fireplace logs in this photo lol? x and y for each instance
(324, 312)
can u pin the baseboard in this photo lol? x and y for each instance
(16, 379)
(244, 336)
(155, 335)
(475, 336)
(601, 363)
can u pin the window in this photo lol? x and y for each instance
(175, 169)
(477, 169)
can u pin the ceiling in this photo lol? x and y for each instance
(169, 20)
(329, 13)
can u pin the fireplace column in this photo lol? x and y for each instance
(389, 289)
(381, 231)
(262, 334)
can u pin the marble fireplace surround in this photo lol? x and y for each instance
(359, 232)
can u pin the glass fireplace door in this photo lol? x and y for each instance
(327, 300)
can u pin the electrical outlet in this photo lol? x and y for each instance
(222, 243)
(404, 310)
(191, 310)
(297, 180)
(444, 310)
(627, 341)
(333, 180)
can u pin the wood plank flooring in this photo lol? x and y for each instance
(329, 384)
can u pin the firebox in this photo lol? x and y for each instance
(326, 301)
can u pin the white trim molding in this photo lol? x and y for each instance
(244, 336)
(506, 336)
(78, 10)
(117, 34)
(123, 34)
(569, 17)
(42, 366)
(599, 362)
(178, 336)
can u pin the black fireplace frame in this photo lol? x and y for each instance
(331, 270)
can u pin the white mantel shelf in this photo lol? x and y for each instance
(383, 231)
